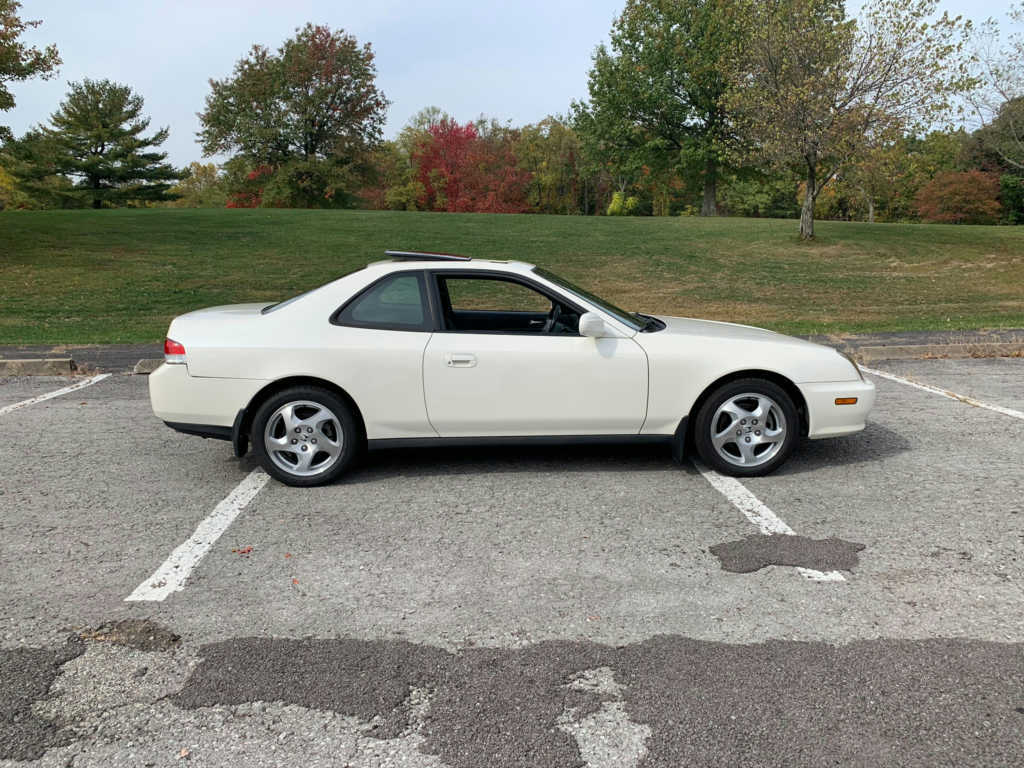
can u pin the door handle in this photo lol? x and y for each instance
(460, 360)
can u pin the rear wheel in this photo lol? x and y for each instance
(305, 436)
(746, 428)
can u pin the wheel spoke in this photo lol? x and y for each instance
(723, 438)
(279, 443)
(325, 443)
(746, 452)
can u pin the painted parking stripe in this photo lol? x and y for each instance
(759, 514)
(945, 393)
(49, 395)
(171, 576)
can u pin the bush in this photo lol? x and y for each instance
(969, 197)
(1011, 193)
(624, 206)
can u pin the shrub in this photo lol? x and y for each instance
(1011, 193)
(969, 197)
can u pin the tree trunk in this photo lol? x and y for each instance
(807, 212)
(709, 207)
(97, 203)
(871, 210)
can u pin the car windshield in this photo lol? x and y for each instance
(624, 317)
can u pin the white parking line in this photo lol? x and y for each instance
(171, 576)
(759, 514)
(73, 388)
(945, 393)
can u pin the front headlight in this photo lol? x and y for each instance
(853, 363)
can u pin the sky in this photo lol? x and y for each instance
(518, 61)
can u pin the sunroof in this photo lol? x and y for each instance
(424, 256)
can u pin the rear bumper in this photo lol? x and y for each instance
(825, 418)
(191, 401)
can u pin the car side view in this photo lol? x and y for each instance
(435, 349)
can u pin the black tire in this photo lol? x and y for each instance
(326, 468)
(763, 464)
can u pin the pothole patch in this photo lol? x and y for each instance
(140, 634)
(26, 675)
(756, 551)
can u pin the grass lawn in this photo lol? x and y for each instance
(121, 275)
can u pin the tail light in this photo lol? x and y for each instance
(174, 352)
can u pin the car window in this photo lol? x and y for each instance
(397, 302)
(471, 304)
(467, 293)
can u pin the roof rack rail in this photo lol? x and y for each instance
(424, 256)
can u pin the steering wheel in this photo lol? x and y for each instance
(556, 310)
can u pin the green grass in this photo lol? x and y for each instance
(121, 275)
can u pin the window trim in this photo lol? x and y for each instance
(430, 314)
(434, 288)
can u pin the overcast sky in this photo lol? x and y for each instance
(520, 60)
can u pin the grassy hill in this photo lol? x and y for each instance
(121, 275)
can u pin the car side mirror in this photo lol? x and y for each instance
(592, 325)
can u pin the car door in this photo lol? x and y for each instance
(506, 363)
(375, 352)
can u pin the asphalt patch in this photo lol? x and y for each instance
(26, 675)
(757, 551)
(140, 634)
(877, 703)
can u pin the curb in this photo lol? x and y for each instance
(872, 354)
(147, 365)
(51, 366)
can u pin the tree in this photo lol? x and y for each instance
(667, 73)
(549, 152)
(312, 103)
(19, 61)
(464, 170)
(998, 100)
(96, 140)
(816, 88)
(201, 186)
(970, 197)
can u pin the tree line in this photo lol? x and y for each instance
(695, 107)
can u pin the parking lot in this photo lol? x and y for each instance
(515, 607)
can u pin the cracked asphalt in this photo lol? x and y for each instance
(504, 607)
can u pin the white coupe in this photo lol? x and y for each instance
(434, 349)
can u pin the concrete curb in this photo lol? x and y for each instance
(871, 354)
(51, 366)
(147, 365)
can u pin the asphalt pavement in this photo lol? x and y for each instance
(517, 607)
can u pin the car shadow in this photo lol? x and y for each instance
(873, 444)
(382, 464)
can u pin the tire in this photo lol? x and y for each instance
(306, 436)
(746, 428)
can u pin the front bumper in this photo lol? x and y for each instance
(825, 418)
(179, 398)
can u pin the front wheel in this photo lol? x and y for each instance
(305, 436)
(746, 428)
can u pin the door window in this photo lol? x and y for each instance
(492, 305)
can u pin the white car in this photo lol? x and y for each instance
(434, 349)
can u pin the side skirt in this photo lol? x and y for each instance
(437, 442)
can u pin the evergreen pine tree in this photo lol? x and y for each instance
(96, 139)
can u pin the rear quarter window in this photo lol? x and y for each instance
(396, 302)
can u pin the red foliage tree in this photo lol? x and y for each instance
(252, 195)
(462, 171)
(970, 197)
